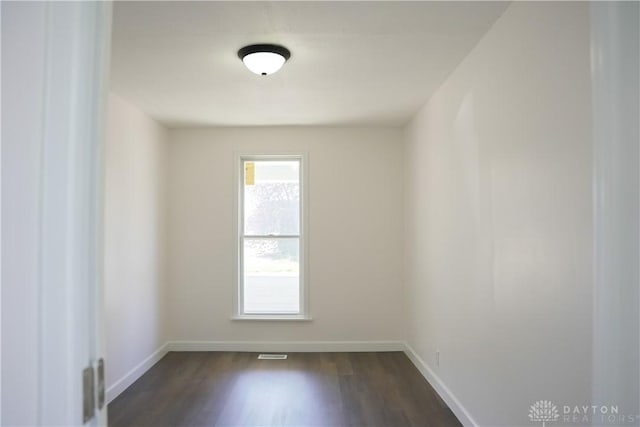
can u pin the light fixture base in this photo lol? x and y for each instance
(264, 59)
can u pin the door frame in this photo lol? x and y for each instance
(76, 90)
(65, 301)
(615, 60)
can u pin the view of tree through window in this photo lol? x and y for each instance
(271, 236)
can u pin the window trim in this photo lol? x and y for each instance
(238, 192)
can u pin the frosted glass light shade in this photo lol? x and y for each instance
(264, 63)
(264, 59)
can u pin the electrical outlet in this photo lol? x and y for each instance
(438, 358)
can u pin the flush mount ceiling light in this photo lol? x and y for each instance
(264, 59)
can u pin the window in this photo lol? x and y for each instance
(271, 245)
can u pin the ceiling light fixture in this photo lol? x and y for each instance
(264, 59)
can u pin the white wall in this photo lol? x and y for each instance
(23, 65)
(355, 233)
(499, 218)
(134, 234)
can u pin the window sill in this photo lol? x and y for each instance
(273, 317)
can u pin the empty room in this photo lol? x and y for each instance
(319, 213)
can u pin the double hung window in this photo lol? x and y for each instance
(270, 237)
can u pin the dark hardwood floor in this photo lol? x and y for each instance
(307, 389)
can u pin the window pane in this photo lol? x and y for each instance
(272, 197)
(271, 275)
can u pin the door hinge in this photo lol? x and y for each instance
(92, 387)
(88, 396)
(100, 370)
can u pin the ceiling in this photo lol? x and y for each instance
(352, 62)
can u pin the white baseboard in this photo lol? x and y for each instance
(450, 399)
(287, 346)
(130, 377)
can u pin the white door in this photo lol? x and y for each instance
(54, 77)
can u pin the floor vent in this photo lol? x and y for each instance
(272, 356)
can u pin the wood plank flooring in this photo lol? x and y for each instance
(307, 389)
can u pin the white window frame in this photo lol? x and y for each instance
(238, 206)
